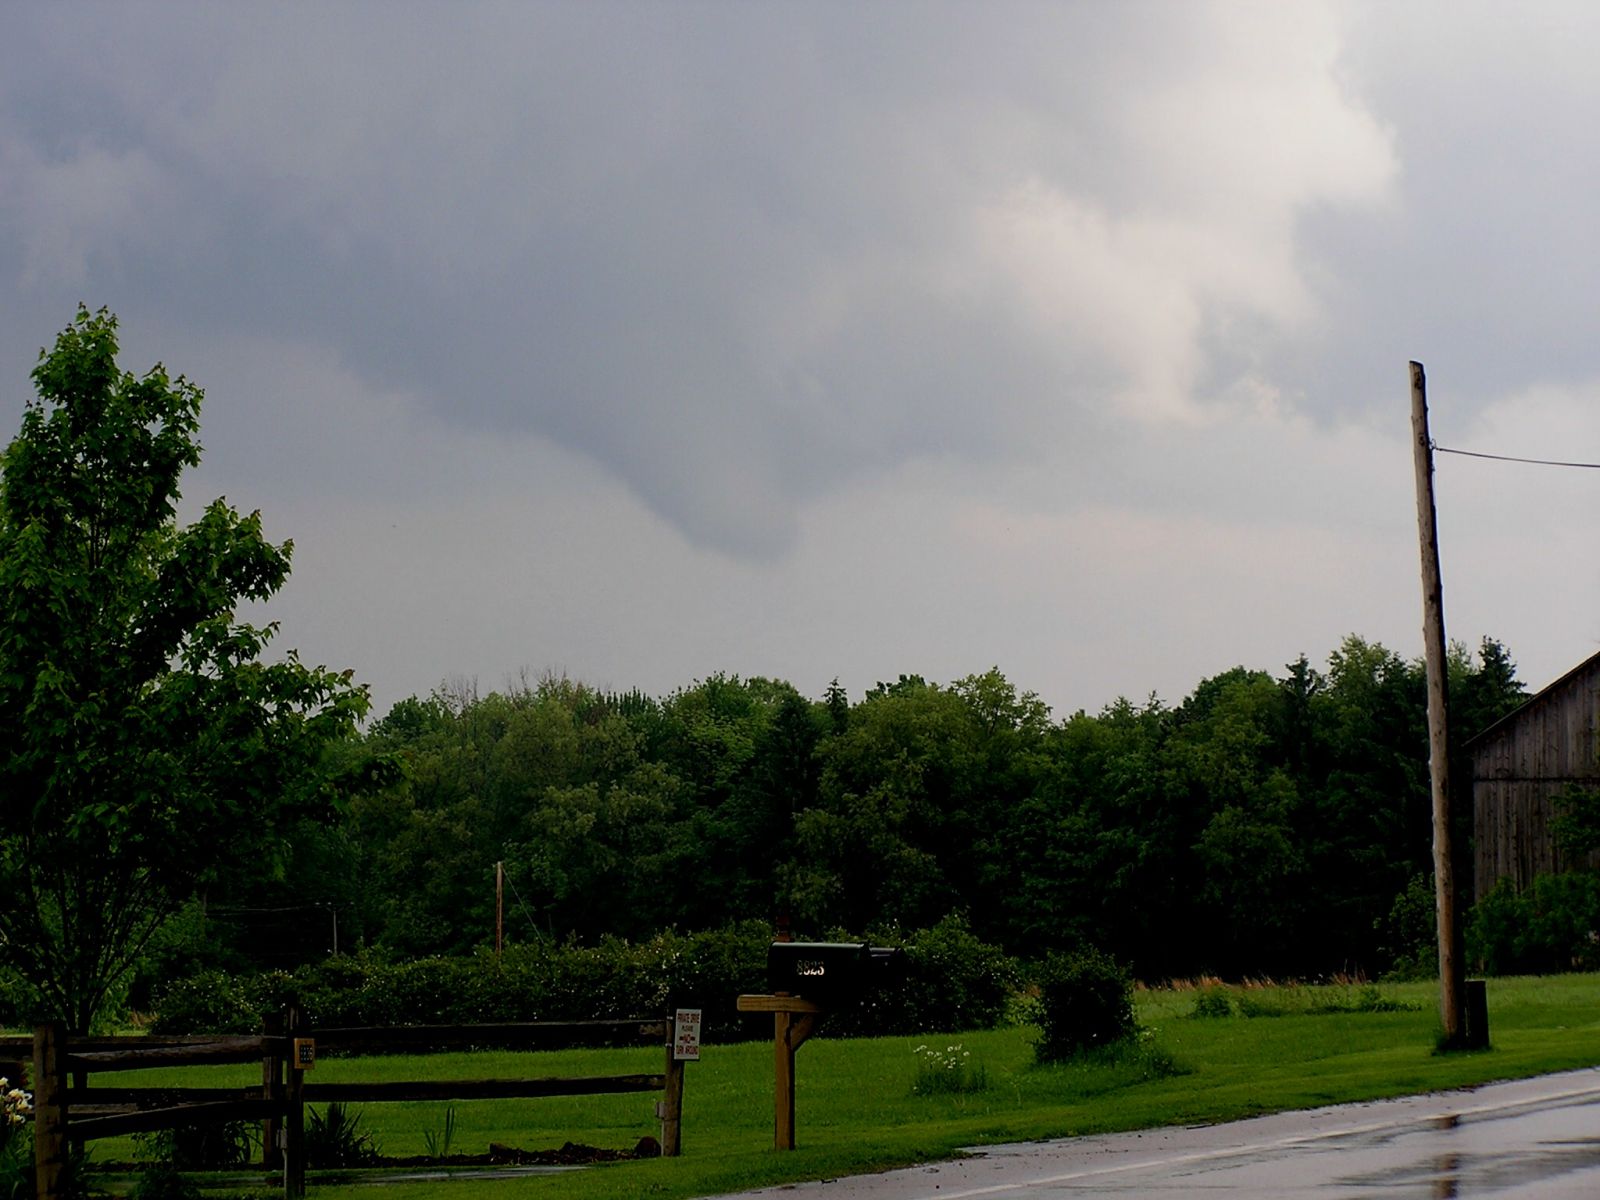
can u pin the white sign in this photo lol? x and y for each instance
(686, 1035)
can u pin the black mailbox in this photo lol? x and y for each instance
(828, 972)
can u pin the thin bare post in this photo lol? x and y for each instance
(272, 1089)
(499, 906)
(294, 1122)
(672, 1104)
(783, 1081)
(1452, 977)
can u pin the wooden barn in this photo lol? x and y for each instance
(1520, 764)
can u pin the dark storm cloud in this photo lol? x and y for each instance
(735, 255)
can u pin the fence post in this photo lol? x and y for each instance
(272, 1092)
(294, 1146)
(672, 1102)
(50, 1110)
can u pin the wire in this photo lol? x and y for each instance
(516, 895)
(1538, 462)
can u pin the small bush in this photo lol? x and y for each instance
(1085, 1003)
(1552, 926)
(1213, 1002)
(1410, 943)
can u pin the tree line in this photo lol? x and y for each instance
(172, 798)
(1267, 824)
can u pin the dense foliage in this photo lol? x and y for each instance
(144, 744)
(1266, 825)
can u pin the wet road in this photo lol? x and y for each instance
(1513, 1141)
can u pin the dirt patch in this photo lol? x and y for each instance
(572, 1154)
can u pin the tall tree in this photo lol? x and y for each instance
(143, 741)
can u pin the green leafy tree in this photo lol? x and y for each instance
(144, 744)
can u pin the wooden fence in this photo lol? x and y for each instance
(67, 1109)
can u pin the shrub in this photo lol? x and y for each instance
(1551, 927)
(951, 980)
(1213, 1002)
(1085, 1002)
(210, 1002)
(1410, 934)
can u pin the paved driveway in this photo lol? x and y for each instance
(1525, 1139)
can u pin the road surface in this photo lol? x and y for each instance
(1511, 1141)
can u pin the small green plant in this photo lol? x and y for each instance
(951, 1071)
(1213, 1002)
(16, 1146)
(161, 1180)
(438, 1143)
(1258, 1006)
(200, 1147)
(1368, 1000)
(336, 1139)
(1085, 1003)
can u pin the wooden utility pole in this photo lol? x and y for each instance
(1452, 977)
(499, 906)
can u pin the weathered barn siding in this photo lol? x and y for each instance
(1520, 765)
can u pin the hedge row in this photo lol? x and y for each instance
(951, 981)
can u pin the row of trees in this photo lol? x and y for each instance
(1265, 824)
(170, 797)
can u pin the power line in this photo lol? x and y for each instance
(1538, 462)
(516, 895)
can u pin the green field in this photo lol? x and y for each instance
(857, 1110)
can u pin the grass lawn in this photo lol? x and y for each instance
(857, 1110)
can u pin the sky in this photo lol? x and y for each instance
(636, 342)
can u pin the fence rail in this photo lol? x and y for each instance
(76, 1112)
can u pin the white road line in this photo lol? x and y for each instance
(1178, 1160)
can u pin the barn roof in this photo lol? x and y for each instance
(1587, 667)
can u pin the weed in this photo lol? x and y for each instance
(337, 1139)
(948, 1071)
(1368, 1000)
(161, 1180)
(1255, 1006)
(438, 1144)
(201, 1147)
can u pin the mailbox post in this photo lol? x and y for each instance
(807, 979)
(793, 1020)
